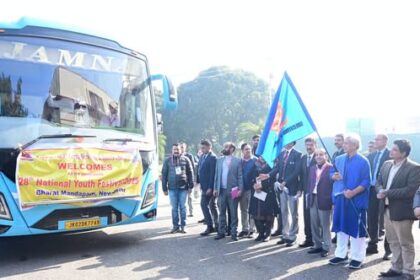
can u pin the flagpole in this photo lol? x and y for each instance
(336, 170)
(326, 150)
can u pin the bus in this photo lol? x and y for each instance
(78, 131)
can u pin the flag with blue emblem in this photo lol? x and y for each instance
(287, 121)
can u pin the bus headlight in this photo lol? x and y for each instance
(150, 195)
(4, 209)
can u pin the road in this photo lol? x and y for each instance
(148, 251)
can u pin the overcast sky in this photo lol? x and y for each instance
(346, 58)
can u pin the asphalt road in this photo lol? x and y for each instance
(148, 251)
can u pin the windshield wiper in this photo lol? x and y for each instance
(52, 136)
(124, 140)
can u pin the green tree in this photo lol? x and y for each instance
(162, 146)
(248, 129)
(214, 105)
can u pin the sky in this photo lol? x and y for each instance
(348, 59)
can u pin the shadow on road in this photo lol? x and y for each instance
(148, 251)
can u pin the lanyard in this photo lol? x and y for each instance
(176, 163)
(318, 175)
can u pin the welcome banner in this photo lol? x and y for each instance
(77, 173)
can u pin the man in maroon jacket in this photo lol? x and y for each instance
(319, 201)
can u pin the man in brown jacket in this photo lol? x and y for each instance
(397, 183)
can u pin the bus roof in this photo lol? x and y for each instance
(27, 26)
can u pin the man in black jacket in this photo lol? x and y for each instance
(376, 160)
(205, 177)
(177, 181)
(338, 143)
(397, 183)
(288, 170)
(308, 160)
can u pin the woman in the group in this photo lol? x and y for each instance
(263, 206)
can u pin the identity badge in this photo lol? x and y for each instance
(178, 170)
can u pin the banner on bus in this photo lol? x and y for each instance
(77, 174)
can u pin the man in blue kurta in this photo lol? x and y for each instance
(351, 198)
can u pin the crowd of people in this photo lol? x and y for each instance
(363, 199)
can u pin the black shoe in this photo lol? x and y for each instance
(250, 234)
(324, 253)
(260, 237)
(228, 233)
(306, 244)
(182, 230)
(290, 243)
(372, 249)
(407, 276)
(219, 236)
(390, 273)
(174, 229)
(315, 251)
(267, 238)
(282, 241)
(190, 215)
(355, 264)
(207, 231)
(242, 234)
(276, 233)
(337, 260)
(334, 240)
(234, 238)
(381, 233)
(387, 256)
(202, 221)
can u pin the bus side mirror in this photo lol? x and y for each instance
(159, 122)
(170, 95)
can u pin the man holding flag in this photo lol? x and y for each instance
(288, 185)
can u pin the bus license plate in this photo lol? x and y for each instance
(81, 224)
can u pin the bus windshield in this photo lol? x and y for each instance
(49, 86)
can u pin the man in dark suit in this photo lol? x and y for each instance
(307, 162)
(183, 147)
(397, 184)
(205, 177)
(338, 143)
(288, 184)
(228, 176)
(376, 160)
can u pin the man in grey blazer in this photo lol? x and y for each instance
(397, 184)
(228, 175)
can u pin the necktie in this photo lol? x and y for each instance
(375, 167)
(285, 157)
(308, 161)
(203, 158)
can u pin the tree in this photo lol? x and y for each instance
(214, 105)
(247, 129)
(162, 146)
